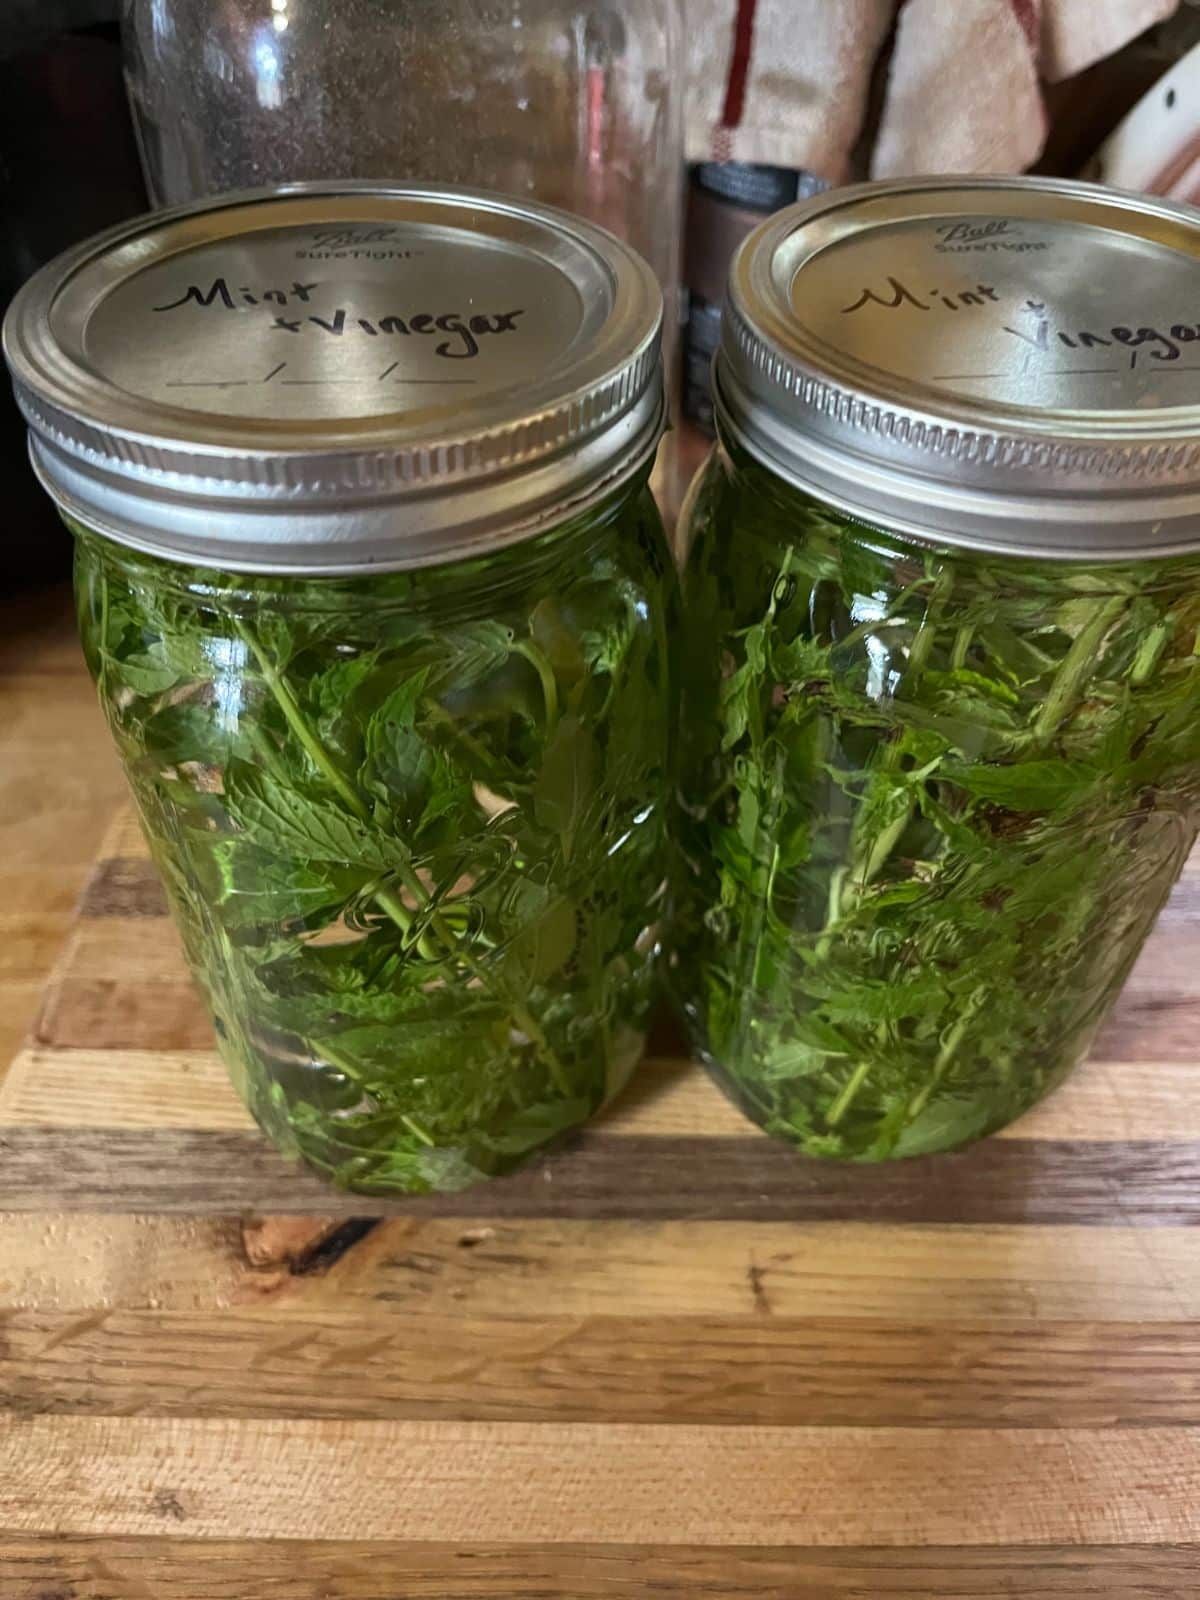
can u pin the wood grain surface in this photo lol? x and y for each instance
(170, 1568)
(672, 1360)
(59, 786)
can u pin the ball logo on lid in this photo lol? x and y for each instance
(347, 238)
(981, 235)
(369, 243)
(974, 232)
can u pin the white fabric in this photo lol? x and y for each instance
(962, 92)
(806, 90)
(1075, 33)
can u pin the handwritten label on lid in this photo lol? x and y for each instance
(1030, 313)
(303, 323)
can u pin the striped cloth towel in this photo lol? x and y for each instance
(788, 82)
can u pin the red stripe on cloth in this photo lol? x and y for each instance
(722, 145)
(739, 64)
(1027, 14)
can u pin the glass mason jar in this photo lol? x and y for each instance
(396, 713)
(941, 698)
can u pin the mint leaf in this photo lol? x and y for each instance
(295, 825)
(1026, 785)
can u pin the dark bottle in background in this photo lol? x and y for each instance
(726, 200)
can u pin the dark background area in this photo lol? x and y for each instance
(68, 167)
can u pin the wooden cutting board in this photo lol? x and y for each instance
(672, 1360)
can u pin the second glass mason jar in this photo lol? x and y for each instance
(377, 603)
(941, 673)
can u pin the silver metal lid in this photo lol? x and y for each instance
(1002, 363)
(331, 377)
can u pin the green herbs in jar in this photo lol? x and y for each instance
(931, 804)
(412, 830)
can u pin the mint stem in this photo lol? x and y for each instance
(849, 1090)
(549, 687)
(945, 1058)
(1077, 666)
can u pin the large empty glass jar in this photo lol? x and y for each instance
(579, 105)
